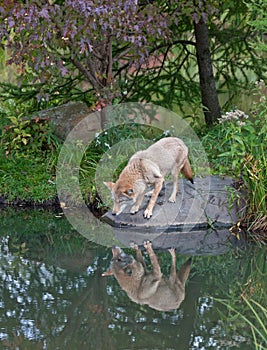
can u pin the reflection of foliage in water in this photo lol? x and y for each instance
(40, 230)
(41, 300)
(57, 298)
(237, 290)
(251, 307)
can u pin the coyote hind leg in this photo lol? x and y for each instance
(175, 174)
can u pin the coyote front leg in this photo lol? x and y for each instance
(139, 256)
(153, 199)
(154, 260)
(136, 206)
(173, 274)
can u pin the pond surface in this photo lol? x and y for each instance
(53, 295)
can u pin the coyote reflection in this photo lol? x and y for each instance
(149, 287)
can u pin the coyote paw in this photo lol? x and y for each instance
(148, 245)
(147, 213)
(134, 246)
(172, 199)
(172, 251)
(134, 210)
(149, 193)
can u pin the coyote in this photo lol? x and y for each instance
(149, 287)
(148, 167)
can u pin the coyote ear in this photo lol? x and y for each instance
(109, 185)
(129, 192)
(107, 273)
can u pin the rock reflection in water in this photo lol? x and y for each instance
(149, 287)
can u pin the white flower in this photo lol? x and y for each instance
(237, 115)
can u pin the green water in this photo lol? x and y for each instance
(53, 296)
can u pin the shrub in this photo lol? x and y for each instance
(27, 136)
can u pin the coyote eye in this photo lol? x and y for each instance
(129, 272)
(129, 192)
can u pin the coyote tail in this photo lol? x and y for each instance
(187, 171)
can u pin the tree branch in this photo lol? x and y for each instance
(110, 61)
(168, 45)
(89, 76)
(175, 42)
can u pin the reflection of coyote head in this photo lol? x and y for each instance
(149, 287)
(167, 156)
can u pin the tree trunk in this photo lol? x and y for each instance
(210, 101)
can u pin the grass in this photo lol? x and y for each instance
(243, 292)
(29, 175)
(256, 321)
(250, 308)
(236, 146)
(27, 179)
(28, 157)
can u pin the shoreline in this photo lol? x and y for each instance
(29, 203)
(50, 204)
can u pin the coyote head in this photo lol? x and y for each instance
(120, 263)
(122, 196)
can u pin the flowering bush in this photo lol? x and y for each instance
(237, 147)
(236, 115)
(67, 39)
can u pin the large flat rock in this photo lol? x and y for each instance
(202, 242)
(210, 202)
(197, 224)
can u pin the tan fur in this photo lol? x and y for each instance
(149, 287)
(148, 167)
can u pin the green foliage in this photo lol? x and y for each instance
(28, 156)
(241, 151)
(23, 136)
(258, 23)
(256, 321)
(237, 138)
(29, 179)
(17, 134)
(171, 77)
(227, 280)
(249, 309)
(165, 71)
(76, 42)
(58, 92)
